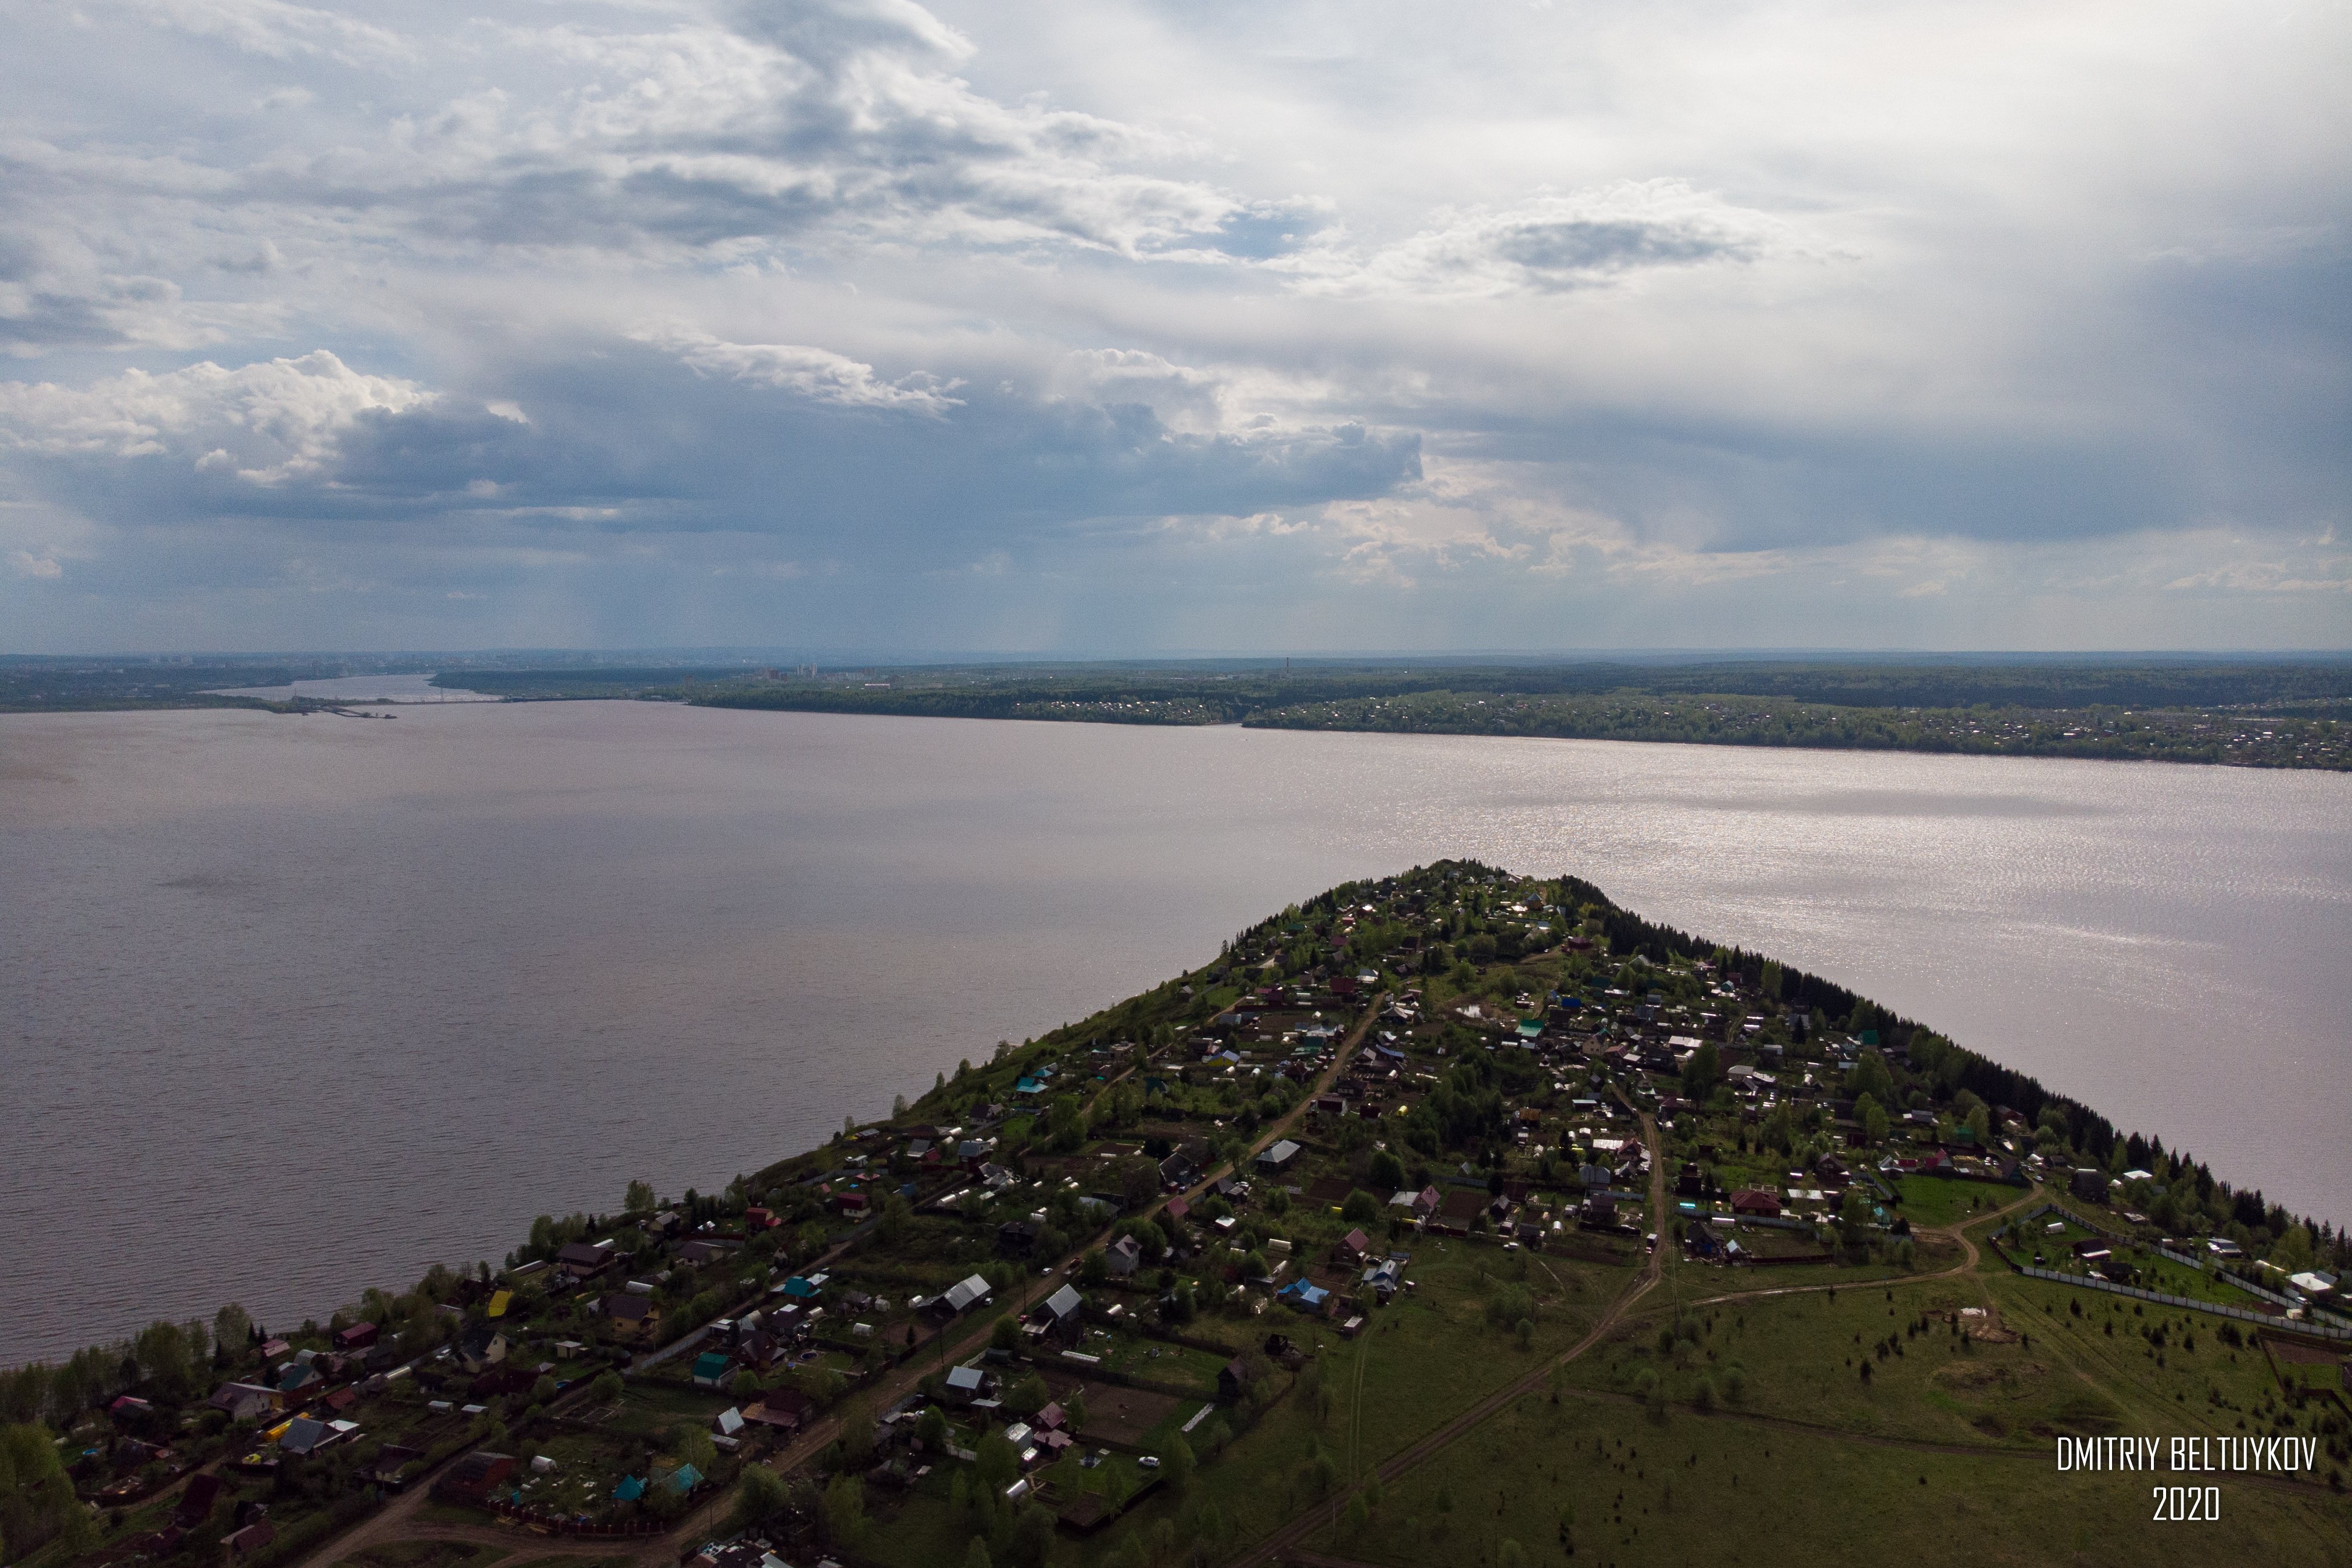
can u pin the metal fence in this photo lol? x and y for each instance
(2254, 1289)
(2244, 1314)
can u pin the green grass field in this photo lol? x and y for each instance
(1424, 1359)
(1944, 1200)
(1730, 1488)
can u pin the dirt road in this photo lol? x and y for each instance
(1286, 1539)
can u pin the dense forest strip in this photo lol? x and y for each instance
(2298, 718)
(2243, 738)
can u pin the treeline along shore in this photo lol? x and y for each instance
(1451, 1216)
(2253, 713)
(2258, 716)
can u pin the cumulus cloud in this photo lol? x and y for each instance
(818, 374)
(265, 423)
(812, 124)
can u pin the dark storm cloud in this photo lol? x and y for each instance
(632, 440)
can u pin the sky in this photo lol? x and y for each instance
(1136, 327)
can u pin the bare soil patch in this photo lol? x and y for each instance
(1124, 1415)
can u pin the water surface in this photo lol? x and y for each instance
(298, 1005)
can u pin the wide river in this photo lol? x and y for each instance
(299, 1005)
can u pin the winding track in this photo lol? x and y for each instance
(1284, 1542)
(1286, 1539)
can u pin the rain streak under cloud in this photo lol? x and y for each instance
(1139, 328)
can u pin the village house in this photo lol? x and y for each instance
(786, 1408)
(1302, 1295)
(582, 1262)
(634, 1318)
(1057, 1318)
(965, 1385)
(472, 1479)
(245, 1401)
(481, 1347)
(197, 1499)
(1419, 1204)
(390, 1460)
(959, 1298)
(251, 1538)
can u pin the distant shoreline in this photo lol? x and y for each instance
(2250, 713)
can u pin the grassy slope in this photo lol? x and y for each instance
(1947, 1438)
(1720, 1490)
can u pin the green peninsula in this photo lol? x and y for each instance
(1454, 1217)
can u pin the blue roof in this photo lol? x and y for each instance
(684, 1479)
(629, 1490)
(797, 1286)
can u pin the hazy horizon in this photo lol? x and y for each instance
(682, 654)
